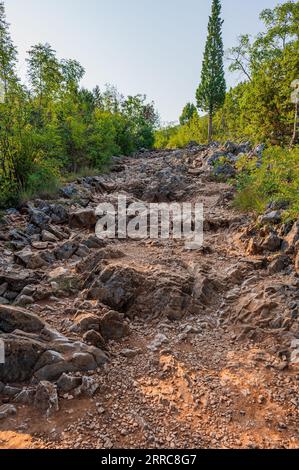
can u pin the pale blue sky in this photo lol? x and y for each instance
(141, 46)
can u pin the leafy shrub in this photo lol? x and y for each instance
(276, 180)
(8, 193)
(44, 181)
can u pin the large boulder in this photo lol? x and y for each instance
(46, 398)
(48, 237)
(35, 350)
(30, 259)
(57, 213)
(159, 293)
(21, 355)
(14, 318)
(67, 250)
(17, 280)
(272, 242)
(115, 286)
(85, 218)
(271, 217)
(279, 264)
(38, 217)
(166, 187)
(112, 326)
(85, 322)
(289, 242)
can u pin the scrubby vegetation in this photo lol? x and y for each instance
(273, 183)
(258, 109)
(54, 127)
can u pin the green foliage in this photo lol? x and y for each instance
(180, 136)
(44, 72)
(163, 136)
(263, 106)
(259, 108)
(55, 127)
(187, 114)
(270, 63)
(276, 180)
(43, 181)
(210, 94)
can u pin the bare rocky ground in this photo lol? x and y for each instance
(143, 343)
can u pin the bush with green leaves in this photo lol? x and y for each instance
(180, 136)
(259, 108)
(55, 127)
(275, 180)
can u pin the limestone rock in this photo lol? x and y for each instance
(39, 218)
(291, 239)
(48, 237)
(30, 259)
(46, 398)
(14, 318)
(6, 411)
(112, 326)
(32, 348)
(279, 263)
(83, 219)
(67, 383)
(273, 217)
(86, 322)
(272, 242)
(67, 250)
(95, 339)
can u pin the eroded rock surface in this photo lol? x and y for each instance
(143, 342)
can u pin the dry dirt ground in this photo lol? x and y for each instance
(220, 376)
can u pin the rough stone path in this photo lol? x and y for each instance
(198, 342)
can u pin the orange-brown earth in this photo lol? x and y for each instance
(207, 359)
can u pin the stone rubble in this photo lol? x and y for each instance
(144, 343)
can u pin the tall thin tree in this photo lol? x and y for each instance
(210, 94)
(295, 99)
(8, 59)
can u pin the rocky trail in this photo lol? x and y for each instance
(144, 343)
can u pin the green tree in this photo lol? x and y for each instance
(142, 119)
(8, 54)
(56, 126)
(211, 91)
(281, 30)
(72, 73)
(188, 112)
(44, 71)
(241, 56)
(98, 99)
(10, 93)
(271, 61)
(282, 25)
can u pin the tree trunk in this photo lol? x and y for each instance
(210, 127)
(296, 127)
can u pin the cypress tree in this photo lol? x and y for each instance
(210, 94)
